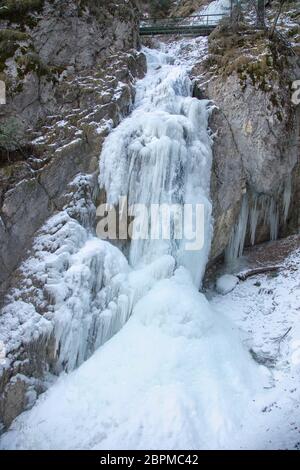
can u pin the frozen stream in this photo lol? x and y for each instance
(176, 376)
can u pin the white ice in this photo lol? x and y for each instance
(176, 376)
(226, 283)
(162, 155)
(217, 7)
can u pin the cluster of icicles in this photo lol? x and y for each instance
(173, 373)
(258, 209)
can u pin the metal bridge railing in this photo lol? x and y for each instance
(195, 20)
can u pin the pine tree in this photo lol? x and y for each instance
(159, 7)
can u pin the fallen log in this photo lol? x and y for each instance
(254, 272)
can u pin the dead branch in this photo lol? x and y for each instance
(253, 272)
(281, 338)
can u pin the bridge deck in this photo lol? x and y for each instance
(183, 30)
(197, 25)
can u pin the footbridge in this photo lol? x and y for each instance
(196, 25)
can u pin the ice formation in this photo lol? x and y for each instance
(176, 375)
(162, 155)
(258, 209)
(217, 7)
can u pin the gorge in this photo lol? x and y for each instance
(127, 341)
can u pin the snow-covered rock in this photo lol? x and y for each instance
(226, 283)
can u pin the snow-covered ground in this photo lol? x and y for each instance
(266, 308)
(144, 387)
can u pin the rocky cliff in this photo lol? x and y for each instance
(69, 67)
(256, 125)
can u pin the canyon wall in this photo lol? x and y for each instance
(70, 78)
(256, 137)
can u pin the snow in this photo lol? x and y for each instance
(19, 324)
(176, 377)
(266, 309)
(152, 157)
(69, 145)
(164, 370)
(159, 366)
(226, 283)
(38, 140)
(62, 123)
(188, 51)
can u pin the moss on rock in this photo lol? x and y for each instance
(251, 54)
(16, 10)
(9, 43)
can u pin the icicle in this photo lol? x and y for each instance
(257, 209)
(237, 241)
(287, 196)
(254, 218)
(254, 209)
(273, 219)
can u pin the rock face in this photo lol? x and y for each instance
(69, 142)
(82, 85)
(70, 109)
(60, 38)
(256, 146)
(81, 33)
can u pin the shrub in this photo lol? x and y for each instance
(15, 10)
(9, 43)
(12, 144)
(31, 62)
(12, 35)
(10, 134)
(160, 8)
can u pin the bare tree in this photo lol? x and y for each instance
(236, 14)
(281, 3)
(261, 13)
(253, 4)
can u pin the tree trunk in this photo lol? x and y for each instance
(277, 17)
(261, 13)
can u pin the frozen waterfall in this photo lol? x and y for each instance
(162, 155)
(176, 376)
